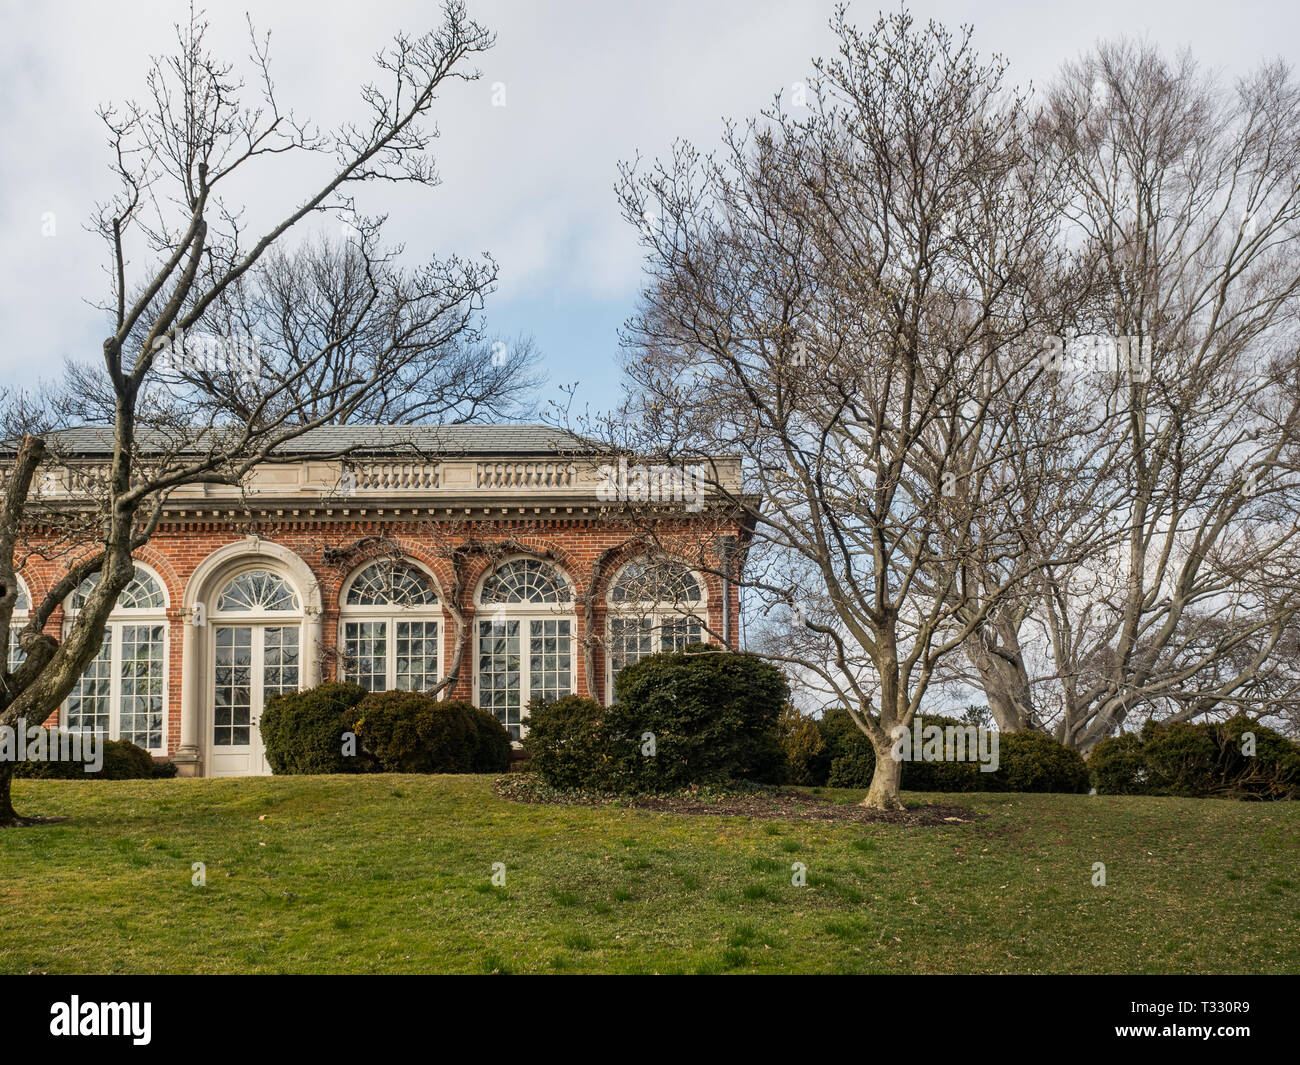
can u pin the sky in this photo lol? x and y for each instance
(586, 85)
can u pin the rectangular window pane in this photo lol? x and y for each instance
(416, 668)
(140, 686)
(550, 659)
(279, 660)
(16, 654)
(89, 705)
(233, 692)
(498, 671)
(676, 633)
(365, 654)
(630, 640)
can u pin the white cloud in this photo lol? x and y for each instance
(587, 84)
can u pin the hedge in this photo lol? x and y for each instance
(1027, 761)
(1198, 760)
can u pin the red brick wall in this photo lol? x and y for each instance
(177, 549)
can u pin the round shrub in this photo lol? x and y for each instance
(303, 731)
(411, 732)
(1181, 758)
(712, 715)
(123, 760)
(567, 743)
(945, 773)
(1032, 761)
(1272, 772)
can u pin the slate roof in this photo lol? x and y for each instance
(364, 439)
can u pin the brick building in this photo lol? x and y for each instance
(513, 557)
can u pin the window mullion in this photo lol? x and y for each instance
(390, 653)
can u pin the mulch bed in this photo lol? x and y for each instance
(767, 804)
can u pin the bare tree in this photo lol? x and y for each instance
(181, 265)
(1179, 593)
(840, 297)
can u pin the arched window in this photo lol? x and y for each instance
(654, 605)
(123, 691)
(391, 628)
(525, 580)
(525, 639)
(22, 608)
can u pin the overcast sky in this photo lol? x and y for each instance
(587, 84)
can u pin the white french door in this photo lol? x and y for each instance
(250, 664)
(508, 678)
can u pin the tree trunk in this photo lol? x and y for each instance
(8, 815)
(1004, 680)
(883, 794)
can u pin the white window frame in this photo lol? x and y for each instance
(119, 619)
(391, 614)
(656, 612)
(524, 614)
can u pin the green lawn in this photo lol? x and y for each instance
(393, 874)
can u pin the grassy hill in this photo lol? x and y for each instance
(393, 874)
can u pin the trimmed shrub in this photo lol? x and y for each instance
(567, 743)
(946, 773)
(1198, 760)
(802, 743)
(1119, 767)
(1272, 772)
(1181, 758)
(411, 732)
(1032, 761)
(303, 731)
(713, 715)
(123, 760)
(492, 745)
